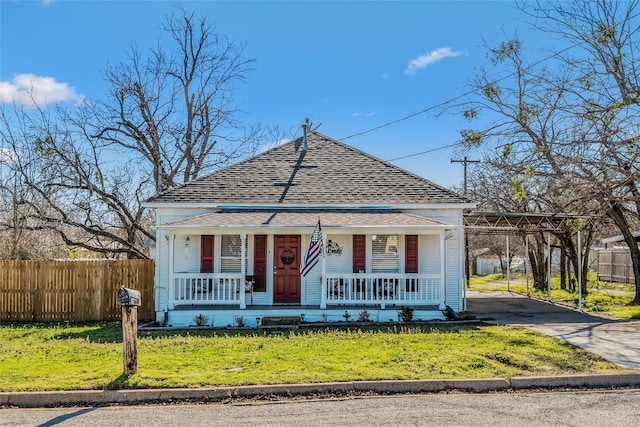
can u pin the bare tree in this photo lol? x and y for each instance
(607, 36)
(169, 118)
(23, 236)
(173, 109)
(62, 186)
(573, 123)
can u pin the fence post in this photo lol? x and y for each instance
(33, 277)
(611, 266)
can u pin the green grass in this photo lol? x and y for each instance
(66, 357)
(610, 299)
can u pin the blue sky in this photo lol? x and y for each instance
(349, 66)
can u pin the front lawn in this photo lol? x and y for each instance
(67, 357)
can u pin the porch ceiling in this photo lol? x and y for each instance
(328, 219)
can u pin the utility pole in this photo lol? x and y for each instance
(465, 162)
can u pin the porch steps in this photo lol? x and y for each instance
(280, 322)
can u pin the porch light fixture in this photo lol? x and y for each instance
(188, 239)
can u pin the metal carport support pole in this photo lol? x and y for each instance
(508, 267)
(579, 271)
(527, 262)
(549, 266)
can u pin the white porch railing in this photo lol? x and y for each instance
(208, 288)
(366, 289)
(382, 289)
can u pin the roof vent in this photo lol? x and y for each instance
(305, 130)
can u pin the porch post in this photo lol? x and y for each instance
(443, 267)
(172, 282)
(323, 274)
(243, 271)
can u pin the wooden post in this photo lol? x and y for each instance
(130, 338)
(130, 300)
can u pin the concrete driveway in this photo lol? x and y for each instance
(615, 340)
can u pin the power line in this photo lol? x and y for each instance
(426, 110)
(425, 152)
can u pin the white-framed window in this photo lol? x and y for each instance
(384, 253)
(230, 253)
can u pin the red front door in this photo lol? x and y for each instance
(286, 271)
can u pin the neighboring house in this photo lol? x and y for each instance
(488, 264)
(618, 241)
(229, 245)
(493, 264)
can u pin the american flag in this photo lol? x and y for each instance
(313, 251)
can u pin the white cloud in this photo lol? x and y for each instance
(424, 61)
(363, 114)
(30, 90)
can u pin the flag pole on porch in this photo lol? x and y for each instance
(313, 251)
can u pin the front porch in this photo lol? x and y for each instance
(211, 290)
(368, 263)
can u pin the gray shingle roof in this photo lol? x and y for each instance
(328, 219)
(329, 172)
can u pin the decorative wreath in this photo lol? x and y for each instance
(287, 256)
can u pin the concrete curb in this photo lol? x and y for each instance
(132, 397)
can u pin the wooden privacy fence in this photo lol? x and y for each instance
(74, 291)
(614, 265)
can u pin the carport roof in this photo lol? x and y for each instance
(500, 222)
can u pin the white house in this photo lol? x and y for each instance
(230, 245)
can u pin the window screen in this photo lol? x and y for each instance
(384, 254)
(230, 253)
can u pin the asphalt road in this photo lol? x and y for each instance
(575, 408)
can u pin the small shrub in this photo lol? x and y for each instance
(363, 316)
(200, 320)
(406, 313)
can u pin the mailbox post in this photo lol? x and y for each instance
(129, 299)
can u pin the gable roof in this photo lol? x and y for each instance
(329, 172)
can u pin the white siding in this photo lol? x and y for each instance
(429, 254)
(162, 273)
(454, 268)
(311, 284)
(187, 256)
(455, 271)
(343, 262)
